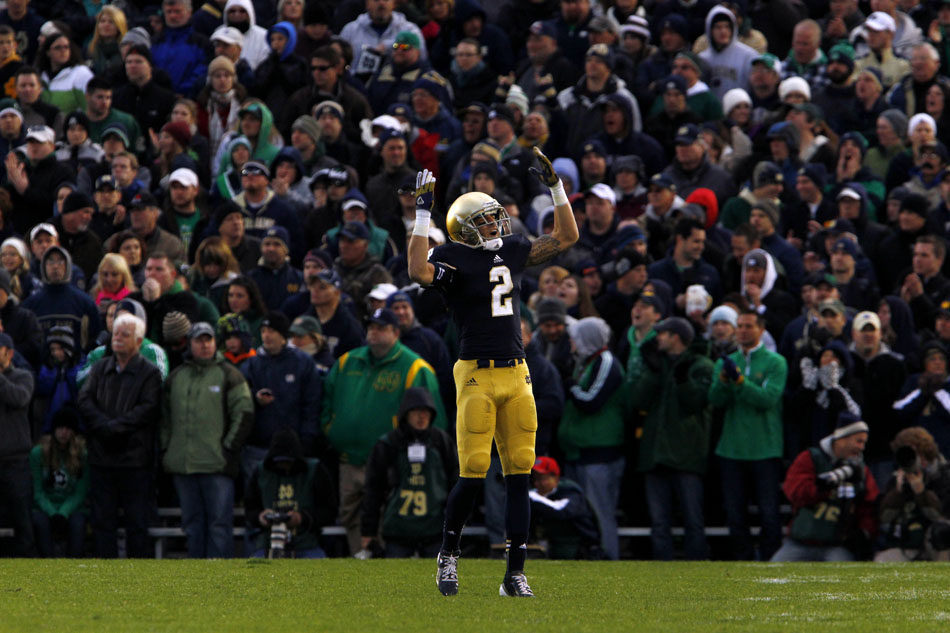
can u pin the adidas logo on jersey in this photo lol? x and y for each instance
(471, 383)
(499, 260)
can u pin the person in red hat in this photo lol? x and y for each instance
(561, 514)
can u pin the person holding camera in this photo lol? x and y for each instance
(832, 494)
(916, 501)
(289, 498)
(561, 514)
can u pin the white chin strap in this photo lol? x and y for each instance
(493, 244)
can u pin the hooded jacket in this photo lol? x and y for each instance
(279, 76)
(386, 475)
(255, 48)
(362, 393)
(633, 142)
(729, 67)
(64, 304)
(778, 306)
(361, 35)
(492, 39)
(16, 390)
(306, 488)
(592, 428)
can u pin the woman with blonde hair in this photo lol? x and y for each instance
(548, 283)
(113, 281)
(60, 467)
(215, 267)
(15, 258)
(103, 49)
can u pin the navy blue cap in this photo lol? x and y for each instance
(355, 231)
(383, 316)
(595, 146)
(399, 109)
(143, 200)
(679, 326)
(398, 296)
(388, 134)
(545, 27)
(686, 134)
(280, 233)
(662, 180)
(6, 341)
(105, 181)
(330, 276)
(672, 82)
(846, 245)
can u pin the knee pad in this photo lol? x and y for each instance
(478, 463)
(523, 458)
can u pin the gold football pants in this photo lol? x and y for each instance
(494, 402)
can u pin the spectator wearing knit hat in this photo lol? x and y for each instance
(219, 101)
(143, 98)
(728, 58)
(79, 151)
(72, 224)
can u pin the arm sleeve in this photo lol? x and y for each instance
(329, 383)
(39, 492)
(374, 490)
(16, 389)
(694, 393)
(311, 413)
(720, 393)
(605, 379)
(240, 412)
(801, 483)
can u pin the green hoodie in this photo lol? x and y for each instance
(263, 149)
(362, 395)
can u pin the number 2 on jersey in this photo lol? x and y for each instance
(500, 301)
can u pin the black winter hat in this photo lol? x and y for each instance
(278, 322)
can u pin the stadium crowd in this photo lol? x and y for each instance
(205, 300)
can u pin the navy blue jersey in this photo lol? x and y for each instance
(482, 288)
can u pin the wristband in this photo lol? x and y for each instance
(557, 192)
(422, 223)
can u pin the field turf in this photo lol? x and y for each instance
(357, 596)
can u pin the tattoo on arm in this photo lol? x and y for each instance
(543, 249)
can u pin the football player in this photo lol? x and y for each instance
(479, 272)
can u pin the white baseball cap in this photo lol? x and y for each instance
(603, 192)
(43, 227)
(865, 318)
(228, 35)
(848, 192)
(381, 292)
(184, 176)
(41, 134)
(880, 21)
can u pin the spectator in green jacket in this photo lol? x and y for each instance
(748, 384)
(671, 385)
(208, 412)
(361, 397)
(591, 432)
(60, 466)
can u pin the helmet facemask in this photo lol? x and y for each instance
(494, 216)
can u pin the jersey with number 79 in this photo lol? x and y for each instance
(483, 290)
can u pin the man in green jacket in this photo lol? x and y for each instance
(208, 412)
(361, 398)
(672, 386)
(748, 384)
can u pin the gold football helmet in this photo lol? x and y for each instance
(474, 211)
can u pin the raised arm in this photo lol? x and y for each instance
(565, 232)
(420, 270)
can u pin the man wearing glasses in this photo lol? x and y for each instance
(262, 210)
(326, 66)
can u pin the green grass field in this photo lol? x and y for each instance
(357, 596)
